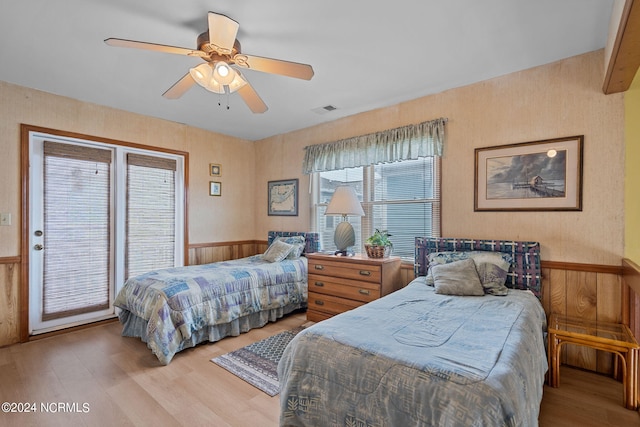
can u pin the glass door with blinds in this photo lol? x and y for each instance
(99, 213)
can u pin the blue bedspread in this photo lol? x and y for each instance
(416, 358)
(180, 307)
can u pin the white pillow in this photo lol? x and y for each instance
(298, 243)
(277, 251)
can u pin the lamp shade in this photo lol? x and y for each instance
(344, 202)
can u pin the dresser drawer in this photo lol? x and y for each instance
(369, 273)
(330, 304)
(344, 288)
(340, 283)
(317, 316)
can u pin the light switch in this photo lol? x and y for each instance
(5, 218)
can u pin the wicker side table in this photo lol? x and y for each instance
(614, 338)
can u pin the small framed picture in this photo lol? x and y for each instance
(215, 188)
(215, 169)
(283, 197)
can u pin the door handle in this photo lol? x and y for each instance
(38, 247)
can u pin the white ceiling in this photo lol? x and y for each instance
(365, 54)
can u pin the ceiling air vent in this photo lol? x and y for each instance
(325, 109)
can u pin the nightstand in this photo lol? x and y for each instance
(341, 283)
(615, 338)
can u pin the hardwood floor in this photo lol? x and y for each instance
(103, 379)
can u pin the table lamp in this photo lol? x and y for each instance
(344, 202)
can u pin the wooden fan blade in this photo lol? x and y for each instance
(180, 87)
(154, 46)
(252, 99)
(222, 33)
(275, 66)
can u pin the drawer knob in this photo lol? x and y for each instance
(364, 291)
(318, 267)
(365, 273)
(320, 284)
(318, 302)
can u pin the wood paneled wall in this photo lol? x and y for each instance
(592, 292)
(206, 253)
(631, 296)
(9, 301)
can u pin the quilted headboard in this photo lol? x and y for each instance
(525, 271)
(312, 240)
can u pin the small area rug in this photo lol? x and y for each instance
(257, 363)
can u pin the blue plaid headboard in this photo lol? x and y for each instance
(312, 240)
(525, 271)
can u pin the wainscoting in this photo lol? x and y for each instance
(590, 292)
(206, 253)
(9, 300)
(631, 296)
(594, 292)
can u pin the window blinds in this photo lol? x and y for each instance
(151, 214)
(401, 197)
(404, 199)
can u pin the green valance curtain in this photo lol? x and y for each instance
(403, 143)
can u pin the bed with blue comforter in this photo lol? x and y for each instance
(177, 308)
(421, 358)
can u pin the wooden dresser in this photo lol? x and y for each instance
(339, 283)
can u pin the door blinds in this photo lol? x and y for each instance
(77, 224)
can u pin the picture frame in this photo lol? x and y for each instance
(215, 188)
(283, 197)
(215, 169)
(541, 175)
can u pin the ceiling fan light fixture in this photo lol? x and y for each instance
(202, 74)
(217, 75)
(223, 73)
(213, 86)
(237, 83)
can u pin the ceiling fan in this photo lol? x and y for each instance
(220, 73)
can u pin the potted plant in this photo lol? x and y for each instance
(378, 244)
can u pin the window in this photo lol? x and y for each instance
(151, 214)
(401, 197)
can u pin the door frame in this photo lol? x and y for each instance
(25, 249)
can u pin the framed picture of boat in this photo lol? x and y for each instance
(530, 176)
